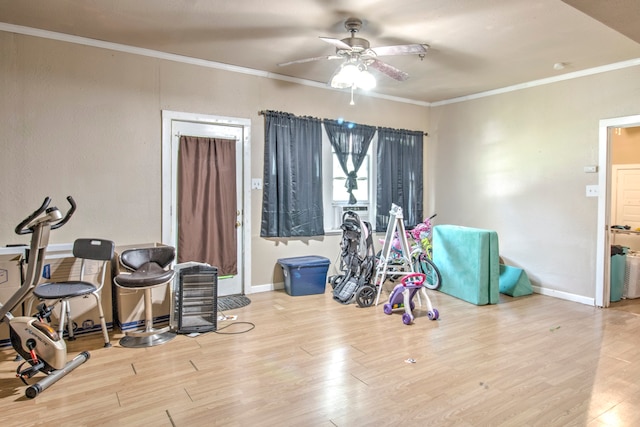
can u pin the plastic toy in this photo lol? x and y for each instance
(402, 298)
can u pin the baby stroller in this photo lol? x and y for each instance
(357, 263)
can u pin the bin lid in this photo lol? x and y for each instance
(305, 261)
(619, 250)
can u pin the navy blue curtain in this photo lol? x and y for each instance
(292, 192)
(399, 161)
(349, 139)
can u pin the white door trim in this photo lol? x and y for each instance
(168, 176)
(604, 205)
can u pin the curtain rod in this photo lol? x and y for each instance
(263, 112)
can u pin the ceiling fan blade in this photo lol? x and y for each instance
(389, 70)
(405, 49)
(317, 58)
(336, 42)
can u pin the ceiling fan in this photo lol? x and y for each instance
(356, 51)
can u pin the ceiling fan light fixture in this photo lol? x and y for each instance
(365, 80)
(338, 82)
(358, 55)
(345, 77)
(351, 75)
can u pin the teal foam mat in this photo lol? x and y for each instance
(468, 260)
(514, 281)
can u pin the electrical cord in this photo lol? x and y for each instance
(224, 317)
(252, 326)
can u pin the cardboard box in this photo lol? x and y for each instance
(129, 304)
(9, 284)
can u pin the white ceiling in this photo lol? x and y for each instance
(475, 45)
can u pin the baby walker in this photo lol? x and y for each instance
(402, 297)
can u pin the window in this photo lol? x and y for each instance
(390, 173)
(301, 152)
(336, 197)
(340, 194)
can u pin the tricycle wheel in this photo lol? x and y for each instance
(433, 277)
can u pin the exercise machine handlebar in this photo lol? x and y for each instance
(27, 225)
(68, 215)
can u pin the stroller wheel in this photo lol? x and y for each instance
(433, 315)
(365, 296)
(335, 280)
(387, 308)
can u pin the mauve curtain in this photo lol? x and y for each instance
(349, 139)
(399, 175)
(207, 211)
(292, 191)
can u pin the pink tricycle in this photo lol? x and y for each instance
(402, 297)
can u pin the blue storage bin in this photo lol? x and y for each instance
(304, 275)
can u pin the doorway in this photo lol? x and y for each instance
(177, 124)
(607, 128)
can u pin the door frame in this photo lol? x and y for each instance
(603, 261)
(168, 175)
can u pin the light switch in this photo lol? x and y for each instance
(592, 191)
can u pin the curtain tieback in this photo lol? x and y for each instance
(352, 181)
(351, 184)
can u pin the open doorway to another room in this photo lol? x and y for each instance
(625, 219)
(618, 252)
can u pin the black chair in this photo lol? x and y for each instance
(147, 268)
(84, 249)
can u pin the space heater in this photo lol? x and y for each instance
(195, 298)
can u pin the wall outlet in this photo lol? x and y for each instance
(256, 184)
(592, 191)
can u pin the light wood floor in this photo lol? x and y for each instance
(310, 361)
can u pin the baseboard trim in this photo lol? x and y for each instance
(267, 287)
(564, 295)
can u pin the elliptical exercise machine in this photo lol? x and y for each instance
(35, 340)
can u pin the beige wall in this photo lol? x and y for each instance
(515, 162)
(84, 121)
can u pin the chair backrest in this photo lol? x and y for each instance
(94, 249)
(136, 258)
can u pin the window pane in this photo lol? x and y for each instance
(340, 193)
